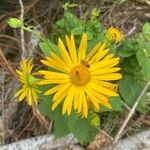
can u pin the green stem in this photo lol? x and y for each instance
(33, 32)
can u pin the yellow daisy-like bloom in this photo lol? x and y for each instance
(29, 83)
(114, 35)
(81, 80)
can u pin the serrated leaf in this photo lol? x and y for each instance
(144, 61)
(146, 30)
(131, 67)
(116, 103)
(46, 104)
(47, 46)
(130, 89)
(61, 127)
(128, 48)
(84, 131)
(77, 30)
(142, 107)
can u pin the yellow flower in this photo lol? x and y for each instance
(114, 35)
(29, 87)
(80, 80)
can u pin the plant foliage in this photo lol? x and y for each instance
(134, 54)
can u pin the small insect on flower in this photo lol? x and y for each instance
(29, 83)
(85, 63)
(114, 35)
(81, 81)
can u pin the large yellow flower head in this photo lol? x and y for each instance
(114, 35)
(81, 80)
(29, 83)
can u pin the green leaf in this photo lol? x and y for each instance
(47, 46)
(84, 131)
(77, 30)
(143, 43)
(116, 103)
(61, 127)
(144, 61)
(93, 26)
(146, 30)
(131, 66)
(129, 89)
(128, 48)
(68, 24)
(142, 107)
(46, 103)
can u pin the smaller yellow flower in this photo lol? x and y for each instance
(114, 35)
(29, 83)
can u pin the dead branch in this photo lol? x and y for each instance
(7, 64)
(119, 134)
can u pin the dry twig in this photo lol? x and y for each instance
(21, 30)
(119, 134)
(7, 64)
(35, 114)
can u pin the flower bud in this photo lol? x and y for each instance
(15, 23)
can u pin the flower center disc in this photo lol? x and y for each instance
(80, 75)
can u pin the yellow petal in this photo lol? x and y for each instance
(104, 63)
(94, 101)
(63, 91)
(80, 101)
(109, 56)
(102, 90)
(55, 89)
(19, 92)
(82, 48)
(104, 71)
(72, 48)
(108, 77)
(51, 81)
(56, 103)
(53, 75)
(103, 83)
(96, 93)
(85, 107)
(59, 96)
(67, 106)
(29, 66)
(24, 93)
(54, 64)
(34, 95)
(92, 52)
(19, 72)
(106, 104)
(60, 61)
(99, 55)
(76, 98)
(64, 53)
(29, 97)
